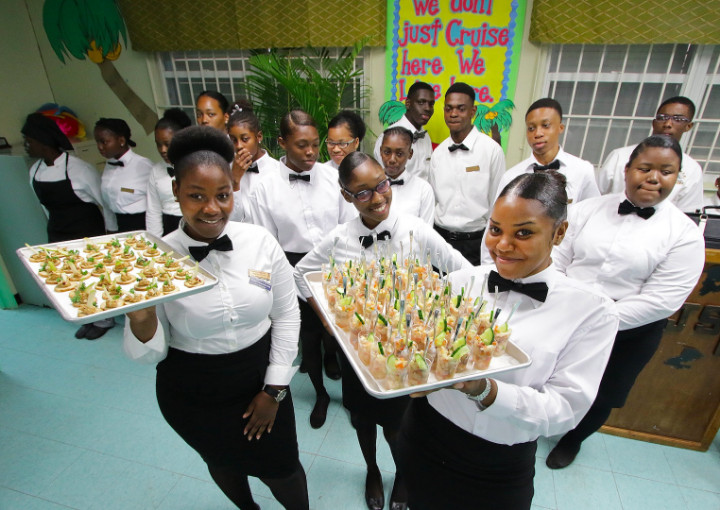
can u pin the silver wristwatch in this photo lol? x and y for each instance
(479, 398)
(278, 395)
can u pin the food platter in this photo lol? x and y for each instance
(513, 358)
(119, 273)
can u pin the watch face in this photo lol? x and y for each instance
(280, 395)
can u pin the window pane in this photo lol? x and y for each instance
(712, 107)
(639, 131)
(563, 93)
(684, 55)
(554, 57)
(594, 141)
(626, 99)
(592, 55)
(574, 136)
(570, 58)
(614, 58)
(172, 91)
(604, 98)
(186, 95)
(637, 56)
(660, 58)
(671, 90)
(617, 135)
(649, 100)
(583, 97)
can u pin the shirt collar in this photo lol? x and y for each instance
(561, 156)
(388, 224)
(470, 139)
(186, 241)
(659, 207)
(549, 276)
(285, 171)
(125, 158)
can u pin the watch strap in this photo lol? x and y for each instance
(482, 396)
(278, 395)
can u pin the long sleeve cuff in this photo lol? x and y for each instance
(152, 351)
(279, 375)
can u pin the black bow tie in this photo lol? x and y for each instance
(537, 291)
(367, 241)
(554, 165)
(221, 244)
(171, 171)
(116, 163)
(626, 207)
(457, 146)
(299, 177)
(417, 135)
(399, 182)
(253, 169)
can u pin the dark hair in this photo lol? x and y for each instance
(217, 96)
(401, 131)
(548, 188)
(241, 112)
(350, 163)
(174, 119)
(417, 87)
(46, 131)
(680, 100)
(546, 102)
(200, 145)
(461, 88)
(295, 118)
(660, 141)
(117, 126)
(352, 120)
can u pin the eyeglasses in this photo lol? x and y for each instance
(366, 194)
(342, 145)
(680, 119)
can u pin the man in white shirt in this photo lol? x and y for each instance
(674, 118)
(465, 171)
(420, 105)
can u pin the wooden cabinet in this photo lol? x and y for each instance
(676, 398)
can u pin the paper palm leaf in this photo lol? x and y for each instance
(391, 112)
(498, 115)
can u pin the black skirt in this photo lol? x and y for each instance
(204, 396)
(445, 466)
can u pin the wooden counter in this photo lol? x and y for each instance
(676, 398)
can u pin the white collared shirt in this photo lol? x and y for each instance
(124, 188)
(687, 193)
(160, 198)
(266, 165)
(348, 247)
(649, 267)
(299, 214)
(415, 197)
(568, 338)
(580, 175)
(466, 182)
(332, 164)
(84, 179)
(419, 164)
(235, 313)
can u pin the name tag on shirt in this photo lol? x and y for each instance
(127, 190)
(259, 279)
(475, 168)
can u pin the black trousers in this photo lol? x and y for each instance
(468, 248)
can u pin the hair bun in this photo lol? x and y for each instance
(200, 138)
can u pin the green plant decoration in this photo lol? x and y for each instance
(499, 116)
(309, 79)
(391, 112)
(93, 28)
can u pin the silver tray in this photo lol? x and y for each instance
(61, 300)
(514, 358)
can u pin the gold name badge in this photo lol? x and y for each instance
(472, 168)
(127, 190)
(259, 274)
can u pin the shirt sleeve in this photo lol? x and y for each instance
(690, 195)
(260, 213)
(86, 185)
(427, 205)
(497, 169)
(562, 254)
(152, 351)
(606, 175)
(589, 187)
(153, 216)
(285, 317)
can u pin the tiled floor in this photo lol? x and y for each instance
(80, 428)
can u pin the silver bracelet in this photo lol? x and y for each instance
(479, 398)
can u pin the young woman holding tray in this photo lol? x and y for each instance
(225, 356)
(365, 185)
(473, 445)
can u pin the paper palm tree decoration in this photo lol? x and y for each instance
(93, 29)
(391, 112)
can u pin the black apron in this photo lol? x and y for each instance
(69, 217)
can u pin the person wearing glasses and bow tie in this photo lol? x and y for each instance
(163, 212)
(644, 253)
(420, 106)
(367, 188)
(674, 117)
(465, 172)
(411, 194)
(345, 132)
(125, 177)
(299, 204)
(225, 355)
(474, 445)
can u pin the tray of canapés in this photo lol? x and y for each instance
(93, 278)
(404, 330)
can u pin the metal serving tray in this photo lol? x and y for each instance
(514, 358)
(61, 300)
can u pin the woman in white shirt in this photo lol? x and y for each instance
(163, 211)
(346, 131)
(644, 253)
(225, 355)
(365, 185)
(473, 446)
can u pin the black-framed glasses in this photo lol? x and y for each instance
(366, 194)
(343, 145)
(680, 119)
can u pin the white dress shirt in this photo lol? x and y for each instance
(687, 194)
(266, 165)
(124, 188)
(299, 214)
(580, 175)
(348, 247)
(466, 182)
(84, 179)
(419, 164)
(160, 198)
(332, 164)
(649, 267)
(568, 338)
(235, 313)
(414, 196)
